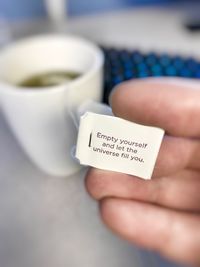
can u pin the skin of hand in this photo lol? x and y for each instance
(161, 214)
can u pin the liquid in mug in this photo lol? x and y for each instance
(48, 79)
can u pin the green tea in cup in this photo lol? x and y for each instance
(47, 79)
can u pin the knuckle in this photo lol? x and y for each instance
(160, 195)
(95, 185)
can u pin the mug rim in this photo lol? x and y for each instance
(96, 64)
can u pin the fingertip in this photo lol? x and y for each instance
(118, 216)
(90, 183)
(131, 84)
(133, 99)
(95, 183)
(109, 212)
(118, 93)
(114, 93)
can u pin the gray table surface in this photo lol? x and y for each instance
(51, 221)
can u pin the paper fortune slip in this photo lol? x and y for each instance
(112, 143)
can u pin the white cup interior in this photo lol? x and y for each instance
(47, 53)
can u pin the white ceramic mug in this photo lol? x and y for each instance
(41, 118)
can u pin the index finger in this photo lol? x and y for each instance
(173, 105)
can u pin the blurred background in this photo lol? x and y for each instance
(23, 9)
(162, 38)
(163, 31)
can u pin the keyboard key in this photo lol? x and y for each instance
(165, 60)
(170, 71)
(151, 59)
(121, 65)
(186, 73)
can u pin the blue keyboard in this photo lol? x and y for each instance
(123, 65)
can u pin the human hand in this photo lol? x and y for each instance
(162, 214)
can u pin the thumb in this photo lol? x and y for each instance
(172, 104)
